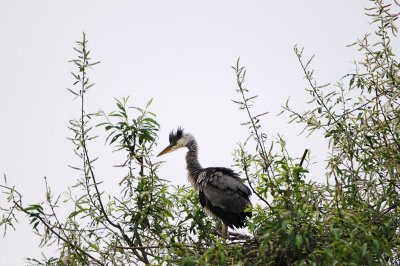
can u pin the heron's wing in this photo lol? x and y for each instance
(225, 190)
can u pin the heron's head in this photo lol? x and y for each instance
(177, 139)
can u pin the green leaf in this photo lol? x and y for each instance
(73, 92)
(115, 138)
(364, 249)
(35, 225)
(149, 102)
(351, 81)
(33, 207)
(102, 124)
(75, 213)
(151, 120)
(298, 241)
(284, 224)
(94, 246)
(120, 106)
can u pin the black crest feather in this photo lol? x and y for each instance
(175, 136)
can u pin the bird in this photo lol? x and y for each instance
(222, 193)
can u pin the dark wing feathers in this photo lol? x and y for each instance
(229, 218)
(225, 196)
(202, 199)
(228, 197)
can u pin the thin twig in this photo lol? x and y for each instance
(246, 172)
(303, 157)
(383, 213)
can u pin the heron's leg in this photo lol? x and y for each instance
(224, 231)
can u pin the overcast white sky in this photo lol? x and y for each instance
(178, 52)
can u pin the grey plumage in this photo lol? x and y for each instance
(221, 192)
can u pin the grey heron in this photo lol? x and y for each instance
(221, 191)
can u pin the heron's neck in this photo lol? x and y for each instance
(192, 163)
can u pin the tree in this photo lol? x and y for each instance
(351, 219)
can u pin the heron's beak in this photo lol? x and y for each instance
(169, 149)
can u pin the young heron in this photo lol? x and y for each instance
(221, 192)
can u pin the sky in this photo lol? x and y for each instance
(178, 53)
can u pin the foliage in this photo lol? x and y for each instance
(352, 219)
